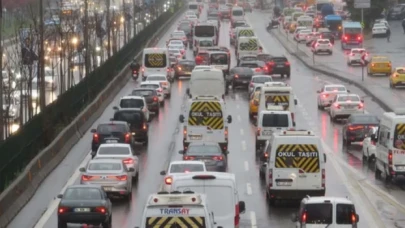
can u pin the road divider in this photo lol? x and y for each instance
(20, 191)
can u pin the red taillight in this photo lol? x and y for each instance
(62, 210)
(96, 138)
(128, 161)
(168, 180)
(304, 217)
(352, 128)
(145, 127)
(389, 65)
(155, 99)
(122, 178)
(266, 155)
(287, 63)
(102, 210)
(346, 38)
(353, 218)
(251, 84)
(188, 158)
(272, 63)
(270, 178)
(325, 95)
(323, 178)
(337, 106)
(218, 158)
(390, 158)
(127, 138)
(359, 38)
(143, 69)
(134, 71)
(237, 217)
(86, 177)
(352, 54)
(361, 105)
(236, 76)
(159, 90)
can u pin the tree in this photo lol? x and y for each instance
(377, 7)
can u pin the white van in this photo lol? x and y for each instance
(221, 191)
(204, 31)
(205, 120)
(188, 209)
(208, 82)
(390, 146)
(274, 119)
(194, 7)
(247, 46)
(220, 60)
(155, 61)
(295, 166)
(237, 14)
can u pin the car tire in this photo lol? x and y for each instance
(107, 224)
(129, 197)
(62, 224)
(157, 112)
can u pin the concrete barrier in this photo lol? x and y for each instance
(307, 61)
(14, 198)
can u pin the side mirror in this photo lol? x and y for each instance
(294, 217)
(348, 91)
(229, 119)
(93, 130)
(242, 207)
(181, 151)
(115, 108)
(324, 157)
(60, 196)
(162, 172)
(188, 91)
(181, 119)
(357, 218)
(82, 169)
(131, 169)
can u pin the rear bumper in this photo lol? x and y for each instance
(294, 194)
(355, 137)
(238, 82)
(284, 70)
(153, 107)
(223, 145)
(87, 218)
(140, 135)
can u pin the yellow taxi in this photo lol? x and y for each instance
(379, 65)
(254, 104)
(397, 78)
(293, 26)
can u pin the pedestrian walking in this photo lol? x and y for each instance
(388, 35)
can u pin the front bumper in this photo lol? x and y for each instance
(294, 194)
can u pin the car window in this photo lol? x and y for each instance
(319, 213)
(184, 168)
(82, 194)
(108, 128)
(335, 89)
(203, 150)
(104, 166)
(156, 78)
(360, 119)
(249, 58)
(219, 59)
(129, 116)
(275, 120)
(401, 71)
(345, 213)
(152, 86)
(261, 80)
(131, 103)
(250, 65)
(279, 60)
(143, 93)
(348, 98)
(114, 151)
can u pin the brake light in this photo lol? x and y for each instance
(257, 69)
(270, 178)
(134, 71)
(218, 158)
(128, 161)
(62, 210)
(323, 178)
(168, 180)
(266, 155)
(127, 138)
(304, 217)
(122, 178)
(265, 68)
(237, 217)
(258, 131)
(159, 90)
(390, 158)
(226, 133)
(354, 219)
(155, 99)
(251, 84)
(145, 127)
(287, 63)
(359, 38)
(102, 210)
(337, 106)
(345, 38)
(352, 128)
(188, 158)
(184, 132)
(96, 138)
(389, 64)
(325, 95)
(236, 76)
(86, 178)
(361, 105)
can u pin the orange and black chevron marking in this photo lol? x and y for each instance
(168, 222)
(155, 59)
(303, 156)
(251, 45)
(246, 33)
(277, 98)
(399, 136)
(206, 113)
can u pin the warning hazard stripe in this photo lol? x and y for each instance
(155, 60)
(168, 222)
(308, 164)
(246, 32)
(206, 106)
(251, 45)
(279, 98)
(400, 129)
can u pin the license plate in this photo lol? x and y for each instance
(82, 209)
(108, 189)
(283, 183)
(195, 137)
(112, 141)
(266, 132)
(350, 106)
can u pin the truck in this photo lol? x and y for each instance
(334, 24)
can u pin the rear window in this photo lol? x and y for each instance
(298, 156)
(323, 41)
(143, 93)
(82, 194)
(364, 119)
(275, 120)
(183, 168)
(219, 59)
(358, 51)
(279, 60)
(262, 80)
(203, 150)
(249, 58)
(263, 58)
(131, 103)
(399, 136)
(348, 98)
(155, 60)
(335, 88)
(344, 213)
(104, 166)
(319, 213)
(250, 65)
(113, 151)
(193, 7)
(156, 78)
(108, 128)
(130, 117)
(237, 13)
(151, 86)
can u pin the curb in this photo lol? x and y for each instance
(307, 63)
(14, 198)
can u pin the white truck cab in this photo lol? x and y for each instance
(187, 209)
(295, 166)
(390, 145)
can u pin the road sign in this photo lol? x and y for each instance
(362, 4)
(364, 59)
(362, 24)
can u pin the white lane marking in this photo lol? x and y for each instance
(242, 132)
(237, 106)
(253, 221)
(249, 189)
(54, 204)
(246, 166)
(239, 118)
(244, 145)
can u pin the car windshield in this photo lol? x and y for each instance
(364, 119)
(114, 150)
(104, 166)
(106, 129)
(185, 168)
(129, 116)
(151, 86)
(193, 7)
(143, 93)
(131, 103)
(184, 26)
(275, 120)
(262, 80)
(348, 98)
(401, 71)
(82, 194)
(176, 43)
(319, 213)
(335, 89)
(345, 213)
(156, 78)
(250, 65)
(243, 70)
(203, 150)
(237, 13)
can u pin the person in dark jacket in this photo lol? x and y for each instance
(388, 34)
(135, 66)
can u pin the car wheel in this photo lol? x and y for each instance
(107, 224)
(62, 224)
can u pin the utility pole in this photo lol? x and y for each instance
(124, 21)
(108, 23)
(1, 81)
(86, 39)
(134, 7)
(41, 64)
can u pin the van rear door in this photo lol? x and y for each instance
(274, 121)
(398, 152)
(155, 63)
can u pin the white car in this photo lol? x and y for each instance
(355, 56)
(176, 53)
(181, 35)
(177, 46)
(379, 30)
(190, 13)
(328, 93)
(259, 80)
(162, 79)
(137, 102)
(175, 42)
(157, 87)
(193, 19)
(312, 37)
(203, 67)
(369, 147)
(382, 21)
(179, 168)
(344, 105)
(322, 45)
(299, 35)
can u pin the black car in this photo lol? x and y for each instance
(210, 153)
(151, 98)
(138, 125)
(183, 68)
(240, 76)
(279, 65)
(111, 132)
(84, 204)
(328, 35)
(357, 126)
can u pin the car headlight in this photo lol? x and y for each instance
(34, 95)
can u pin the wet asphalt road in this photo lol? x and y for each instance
(165, 130)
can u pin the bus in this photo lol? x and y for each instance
(352, 35)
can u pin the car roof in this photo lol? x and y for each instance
(150, 82)
(115, 145)
(334, 85)
(203, 144)
(143, 89)
(348, 94)
(132, 97)
(187, 162)
(313, 200)
(113, 122)
(262, 76)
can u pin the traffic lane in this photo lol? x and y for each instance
(337, 63)
(53, 184)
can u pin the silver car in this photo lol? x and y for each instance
(111, 174)
(258, 80)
